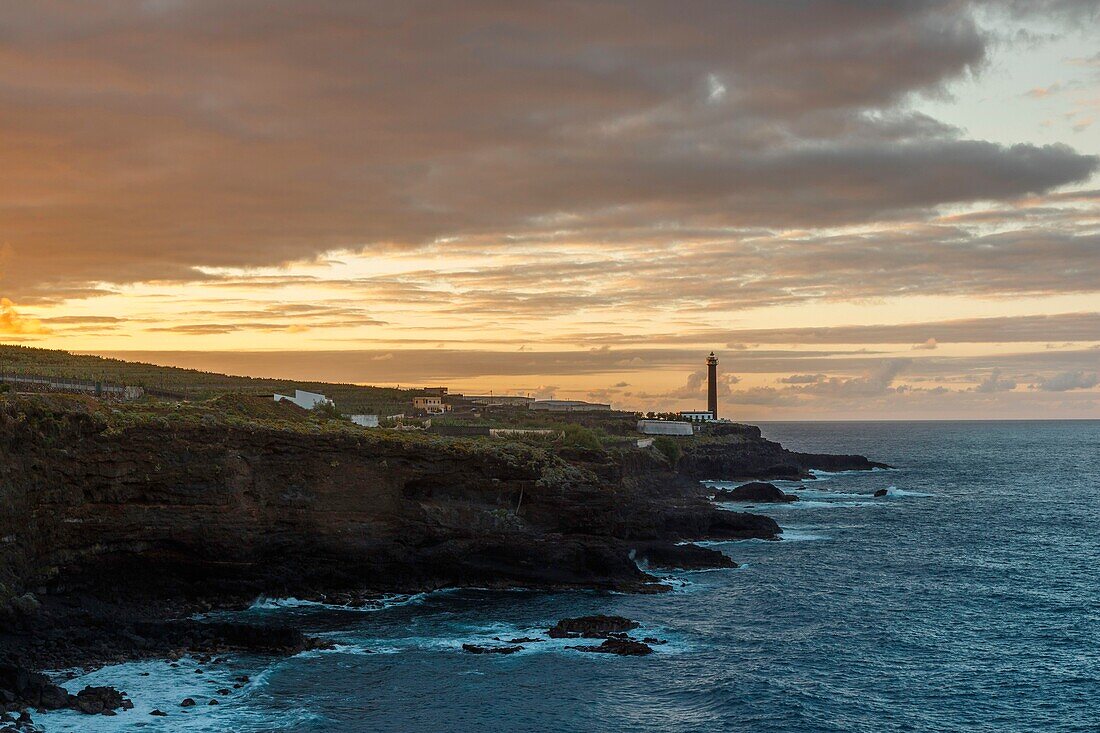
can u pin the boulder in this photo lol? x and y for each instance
(591, 627)
(757, 492)
(20, 688)
(623, 647)
(100, 701)
(882, 492)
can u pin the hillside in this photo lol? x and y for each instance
(192, 383)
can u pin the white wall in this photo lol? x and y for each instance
(305, 400)
(664, 427)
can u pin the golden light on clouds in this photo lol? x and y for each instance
(14, 324)
(577, 201)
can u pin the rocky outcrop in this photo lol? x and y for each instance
(734, 452)
(682, 557)
(623, 647)
(757, 492)
(21, 688)
(591, 627)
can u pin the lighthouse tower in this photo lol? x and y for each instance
(712, 385)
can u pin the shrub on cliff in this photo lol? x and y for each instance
(669, 448)
(579, 436)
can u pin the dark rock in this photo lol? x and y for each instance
(477, 649)
(591, 627)
(223, 692)
(622, 647)
(22, 688)
(881, 492)
(101, 701)
(755, 491)
(212, 702)
(187, 703)
(682, 556)
(654, 640)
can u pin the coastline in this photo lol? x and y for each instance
(149, 523)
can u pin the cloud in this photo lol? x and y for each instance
(876, 382)
(1064, 327)
(12, 323)
(929, 345)
(763, 396)
(1066, 381)
(155, 145)
(803, 379)
(697, 385)
(993, 382)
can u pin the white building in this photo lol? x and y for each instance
(305, 400)
(367, 421)
(432, 404)
(697, 415)
(664, 427)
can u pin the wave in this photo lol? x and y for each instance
(264, 603)
(895, 491)
(791, 534)
(157, 684)
(802, 504)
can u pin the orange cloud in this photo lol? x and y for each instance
(13, 323)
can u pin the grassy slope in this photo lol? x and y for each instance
(349, 398)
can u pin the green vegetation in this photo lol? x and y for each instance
(579, 436)
(669, 448)
(192, 383)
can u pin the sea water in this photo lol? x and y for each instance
(967, 599)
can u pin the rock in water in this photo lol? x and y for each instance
(476, 649)
(882, 492)
(682, 557)
(591, 627)
(620, 646)
(100, 701)
(755, 491)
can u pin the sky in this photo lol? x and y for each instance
(869, 209)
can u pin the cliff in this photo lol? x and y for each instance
(142, 512)
(733, 452)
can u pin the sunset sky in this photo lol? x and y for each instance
(868, 209)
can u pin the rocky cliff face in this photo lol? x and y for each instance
(112, 521)
(168, 508)
(733, 452)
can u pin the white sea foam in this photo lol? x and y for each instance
(158, 685)
(895, 491)
(802, 504)
(792, 534)
(382, 603)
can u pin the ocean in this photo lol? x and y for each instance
(967, 599)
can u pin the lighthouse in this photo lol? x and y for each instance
(712, 385)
